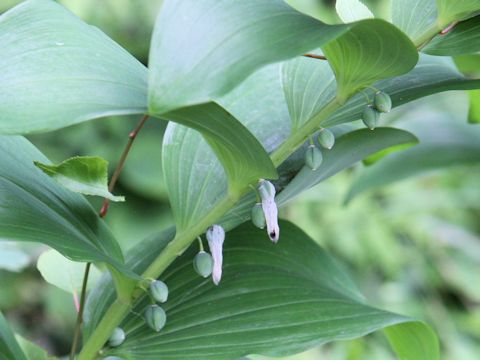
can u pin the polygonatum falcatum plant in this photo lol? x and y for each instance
(262, 103)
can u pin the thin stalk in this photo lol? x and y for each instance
(315, 56)
(78, 325)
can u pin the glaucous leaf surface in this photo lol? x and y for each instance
(12, 258)
(431, 75)
(58, 71)
(63, 273)
(372, 50)
(456, 10)
(196, 182)
(414, 17)
(348, 149)
(448, 143)
(9, 348)
(201, 49)
(273, 300)
(35, 208)
(86, 175)
(243, 158)
(352, 10)
(463, 39)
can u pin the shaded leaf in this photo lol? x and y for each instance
(463, 39)
(86, 175)
(448, 143)
(267, 294)
(35, 208)
(349, 149)
(9, 348)
(352, 10)
(414, 17)
(59, 71)
(203, 49)
(372, 50)
(456, 10)
(63, 273)
(243, 158)
(32, 351)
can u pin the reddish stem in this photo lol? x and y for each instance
(314, 56)
(448, 28)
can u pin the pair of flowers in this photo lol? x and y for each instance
(216, 234)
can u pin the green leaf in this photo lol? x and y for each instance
(349, 148)
(32, 351)
(59, 71)
(267, 294)
(413, 341)
(456, 10)
(34, 207)
(196, 182)
(9, 348)
(372, 50)
(202, 49)
(448, 143)
(414, 17)
(352, 10)
(63, 273)
(463, 39)
(431, 75)
(86, 175)
(474, 111)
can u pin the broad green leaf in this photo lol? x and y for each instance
(413, 341)
(372, 50)
(59, 71)
(456, 10)
(474, 111)
(242, 156)
(32, 351)
(63, 273)
(309, 85)
(463, 39)
(350, 148)
(352, 10)
(267, 294)
(12, 258)
(201, 49)
(414, 17)
(197, 182)
(448, 143)
(9, 348)
(35, 208)
(431, 75)
(86, 175)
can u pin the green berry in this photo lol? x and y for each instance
(155, 317)
(159, 291)
(313, 157)
(326, 138)
(117, 338)
(258, 217)
(370, 117)
(382, 102)
(203, 264)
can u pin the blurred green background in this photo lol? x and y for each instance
(413, 247)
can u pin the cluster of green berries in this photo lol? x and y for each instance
(155, 317)
(382, 103)
(313, 155)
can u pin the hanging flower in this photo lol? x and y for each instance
(267, 194)
(216, 236)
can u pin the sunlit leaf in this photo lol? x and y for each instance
(86, 175)
(474, 111)
(414, 17)
(352, 10)
(35, 208)
(372, 50)
(267, 294)
(456, 10)
(58, 71)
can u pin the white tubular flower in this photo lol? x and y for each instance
(267, 194)
(216, 236)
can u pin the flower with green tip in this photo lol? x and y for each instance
(216, 236)
(267, 194)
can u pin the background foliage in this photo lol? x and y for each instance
(412, 247)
